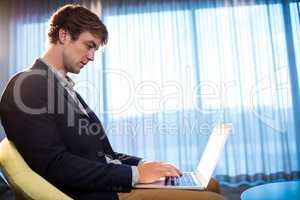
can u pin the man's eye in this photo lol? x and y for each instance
(89, 46)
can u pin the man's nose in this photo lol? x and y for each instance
(91, 55)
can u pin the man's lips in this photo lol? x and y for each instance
(83, 64)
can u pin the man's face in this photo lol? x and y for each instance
(77, 53)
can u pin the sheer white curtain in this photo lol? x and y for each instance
(179, 68)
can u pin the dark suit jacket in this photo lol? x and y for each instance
(58, 141)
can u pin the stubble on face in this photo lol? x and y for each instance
(75, 54)
(70, 57)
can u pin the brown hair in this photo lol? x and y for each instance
(76, 19)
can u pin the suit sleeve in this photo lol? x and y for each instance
(37, 139)
(128, 159)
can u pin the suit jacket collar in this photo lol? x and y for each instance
(50, 75)
(69, 101)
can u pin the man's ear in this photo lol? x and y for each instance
(63, 36)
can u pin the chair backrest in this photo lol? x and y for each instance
(23, 179)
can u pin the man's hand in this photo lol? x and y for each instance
(151, 171)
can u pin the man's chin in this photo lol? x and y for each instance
(77, 71)
(73, 69)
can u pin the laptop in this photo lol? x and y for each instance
(198, 179)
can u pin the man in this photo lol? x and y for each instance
(57, 133)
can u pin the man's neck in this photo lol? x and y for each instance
(53, 57)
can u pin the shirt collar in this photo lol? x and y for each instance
(65, 80)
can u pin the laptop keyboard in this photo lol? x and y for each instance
(185, 180)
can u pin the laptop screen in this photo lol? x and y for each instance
(212, 152)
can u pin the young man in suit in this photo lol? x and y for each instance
(60, 137)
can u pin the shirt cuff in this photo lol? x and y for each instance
(141, 161)
(135, 175)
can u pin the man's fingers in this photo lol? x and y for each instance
(170, 172)
(179, 172)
